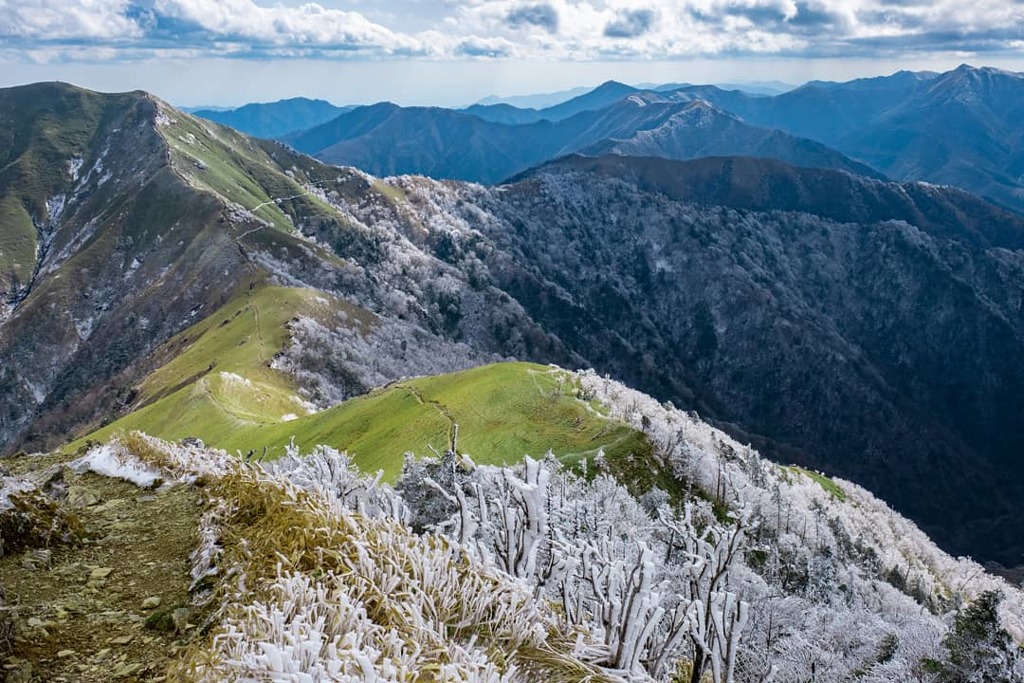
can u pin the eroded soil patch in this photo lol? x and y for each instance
(81, 614)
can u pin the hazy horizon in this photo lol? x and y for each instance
(434, 84)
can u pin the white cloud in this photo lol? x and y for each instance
(577, 30)
(61, 20)
(309, 25)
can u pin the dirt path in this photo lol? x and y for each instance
(82, 617)
(436, 405)
(259, 328)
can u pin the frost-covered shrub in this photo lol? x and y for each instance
(755, 572)
(335, 362)
(650, 587)
(824, 554)
(332, 474)
(30, 519)
(308, 589)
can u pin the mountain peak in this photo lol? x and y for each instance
(987, 87)
(983, 71)
(612, 85)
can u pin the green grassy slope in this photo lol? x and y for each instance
(218, 385)
(279, 187)
(237, 168)
(17, 245)
(504, 411)
(147, 216)
(217, 380)
(41, 127)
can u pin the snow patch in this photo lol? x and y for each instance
(236, 379)
(108, 462)
(54, 208)
(637, 100)
(74, 166)
(84, 328)
(162, 119)
(12, 486)
(288, 417)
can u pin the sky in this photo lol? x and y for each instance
(451, 52)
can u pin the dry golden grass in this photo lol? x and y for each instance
(294, 566)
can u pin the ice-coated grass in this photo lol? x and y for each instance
(307, 590)
(107, 461)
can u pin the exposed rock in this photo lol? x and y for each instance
(81, 497)
(161, 620)
(18, 671)
(127, 670)
(51, 481)
(7, 628)
(180, 617)
(151, 603)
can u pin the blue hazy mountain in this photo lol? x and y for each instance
(274, 119)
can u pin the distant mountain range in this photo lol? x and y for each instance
(959, 128)
(387, 139)
(538, 101)
(545, 100)
(274, 119)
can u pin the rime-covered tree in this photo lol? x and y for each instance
(980, 650)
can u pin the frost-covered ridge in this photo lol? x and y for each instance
(317, 572)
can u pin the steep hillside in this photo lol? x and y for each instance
(767, 185)
(158, 219)
(865, 328)
(121, 249)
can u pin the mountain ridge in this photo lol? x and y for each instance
(445, 144)
(953, 128)
(274, 119)
(957, 127)
(869, 332)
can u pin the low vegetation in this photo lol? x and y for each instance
(233, 400)
(306, 568)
